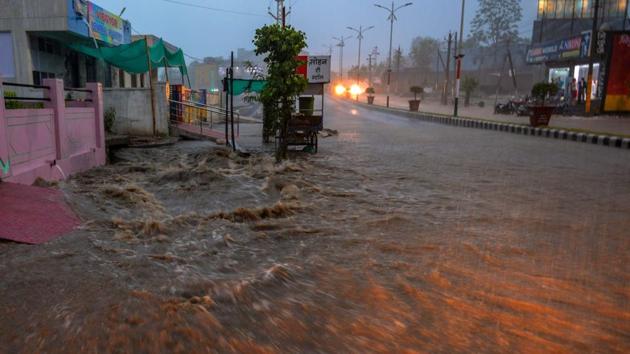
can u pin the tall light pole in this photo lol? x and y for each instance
(341, 43)
(359, 32)
(372, 56)
(459, 55)
(392, 17)
(329, 47)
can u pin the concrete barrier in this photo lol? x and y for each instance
(53, 142)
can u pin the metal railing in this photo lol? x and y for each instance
(21, 98)
(199, 114)
(83, 92)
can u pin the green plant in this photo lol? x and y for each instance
(280, 46)
(469, 85)
(11, 104)
(542, 90)
(110, 118)
(416, 90)
(370, 90)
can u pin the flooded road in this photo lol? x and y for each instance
(399, 236)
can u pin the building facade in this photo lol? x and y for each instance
(562, 39)
(35, 36)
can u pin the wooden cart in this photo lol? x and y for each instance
(307, 122)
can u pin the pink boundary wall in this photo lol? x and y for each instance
(54, 142)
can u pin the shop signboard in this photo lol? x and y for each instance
(316, 69)
(576, 47)
(617, 98)
(103, 25)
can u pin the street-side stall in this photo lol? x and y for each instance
(307, 121)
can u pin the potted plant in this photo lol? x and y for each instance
(370, 98)
(414, 104)
(540, 113)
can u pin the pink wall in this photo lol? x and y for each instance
(54, 142)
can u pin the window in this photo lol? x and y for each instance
(7, 61)
(39, 76)
(121, 78)
(134, 80)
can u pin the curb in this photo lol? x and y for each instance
(553, 133)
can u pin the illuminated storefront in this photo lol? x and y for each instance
(562, 39)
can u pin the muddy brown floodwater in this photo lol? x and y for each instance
(398, 237)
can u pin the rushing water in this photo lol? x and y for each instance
(399, 236)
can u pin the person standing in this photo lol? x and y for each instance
(580, 91)
(574, 91)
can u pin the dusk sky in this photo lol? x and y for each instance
(204, 32)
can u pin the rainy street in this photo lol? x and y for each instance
(399, 236)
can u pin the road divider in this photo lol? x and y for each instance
(514, 128)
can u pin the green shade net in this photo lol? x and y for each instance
(132, 57)
(242, 86)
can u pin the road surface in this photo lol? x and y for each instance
(399, 236)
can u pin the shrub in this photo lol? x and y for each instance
(110, 118)
(370, 90)
(542, 90)
(416, 90)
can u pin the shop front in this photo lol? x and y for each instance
(567, 63)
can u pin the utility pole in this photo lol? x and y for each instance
(372, 56)
(459, 55)
(359, 32)
(152, 89)
(591, 57)
(512, 72)
(341, 44)
(392, 17)
(281, 13)
(447, 84)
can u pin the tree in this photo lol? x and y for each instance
(399, 59)
(469, 85)
(496, 21)
(423, 52)
(280, 46)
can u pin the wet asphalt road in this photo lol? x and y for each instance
(400, 236)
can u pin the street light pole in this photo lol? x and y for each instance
(359, 32)
(391, 18)
(459, 57)
(341, 44)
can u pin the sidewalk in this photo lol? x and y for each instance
(612, 125)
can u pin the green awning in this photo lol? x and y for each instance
(132, 57)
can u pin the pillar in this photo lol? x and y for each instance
(99, 116)
(5, 165)
(57, 103)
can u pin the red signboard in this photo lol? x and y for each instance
(618, 85)
(302, 69)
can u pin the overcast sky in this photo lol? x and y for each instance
(204, 32)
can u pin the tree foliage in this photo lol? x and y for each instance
(280, 46)
(423, 52)
(469, 85)
(496, 21)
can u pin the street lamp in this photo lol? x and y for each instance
(341, 44)
(359, 32)
(392, 17)
(459, 55)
